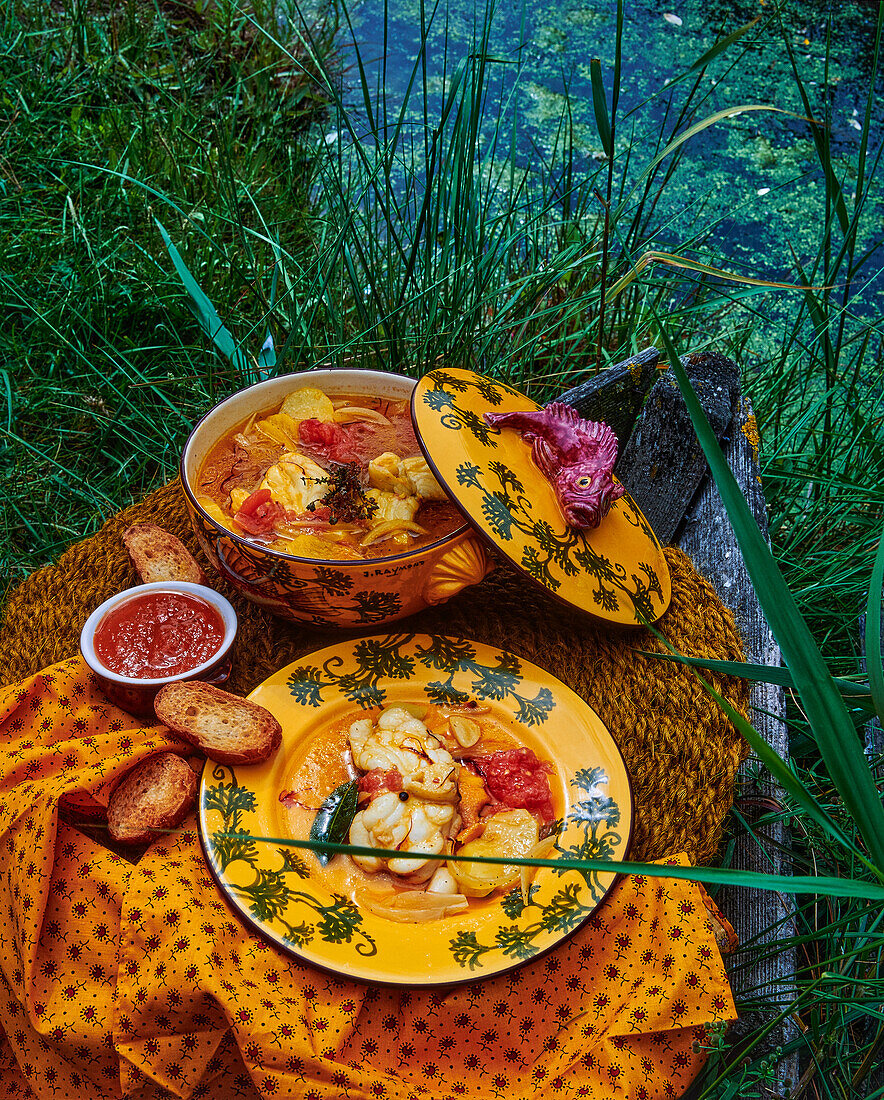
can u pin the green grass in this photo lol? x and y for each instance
(358, 228)
(102, 373)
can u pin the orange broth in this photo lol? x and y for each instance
(239, 461)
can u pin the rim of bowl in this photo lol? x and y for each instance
(337, 563)
(221, 604)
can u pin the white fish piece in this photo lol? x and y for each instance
(406, 477)
(383, 473)
(433, 782)
(384, 823)
(399, 740)
(392, 506)
(295, 481)
(420, 477)
(388, 822)
(428, 833)
(401, 720)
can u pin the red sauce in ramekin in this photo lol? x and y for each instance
(158, 634)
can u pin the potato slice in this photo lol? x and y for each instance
(213, 510)
(238, 497)
(315, 546)
(281, 429)
(510, 833)
(308, 404)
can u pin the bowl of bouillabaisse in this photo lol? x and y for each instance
(310, 494)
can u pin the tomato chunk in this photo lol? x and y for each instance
(320, 431)
(336, 442)
(259, 513)
(518, 779)
(254, 501)
(378, 781)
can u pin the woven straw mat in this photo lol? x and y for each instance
(681, 751)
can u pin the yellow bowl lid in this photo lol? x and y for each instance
(616, 571)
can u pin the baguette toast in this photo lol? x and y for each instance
(157, 794)
(158, 555)
(225, 727)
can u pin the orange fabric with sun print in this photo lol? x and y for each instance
(121, 979)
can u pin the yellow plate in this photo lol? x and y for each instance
(284, 893)
(617, 571)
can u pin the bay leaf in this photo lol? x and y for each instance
(334, 817)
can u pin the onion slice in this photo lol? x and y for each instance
(348, 413)
(392, 527)
(412, 906)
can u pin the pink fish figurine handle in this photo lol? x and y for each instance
(576, 457)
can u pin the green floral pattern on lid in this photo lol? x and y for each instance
(617, 571)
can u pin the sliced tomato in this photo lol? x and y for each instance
(254, 501)
(259, 513)
(321, 432)
(518, 779)
(327, 440)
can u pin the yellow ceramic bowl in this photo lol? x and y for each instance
(325, 592)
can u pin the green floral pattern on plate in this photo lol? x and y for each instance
(269, 895)
(570, 906)
(380, 659)
(284, 893)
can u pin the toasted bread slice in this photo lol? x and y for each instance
(228, 729)
(157, 794)
(158, 555)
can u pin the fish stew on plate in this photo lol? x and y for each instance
(337, 477)
(433, 778)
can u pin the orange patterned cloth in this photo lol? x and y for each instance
(121, 979)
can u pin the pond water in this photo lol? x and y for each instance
(750, 188)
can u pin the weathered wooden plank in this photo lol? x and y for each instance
(764, 972)
(662, 464)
